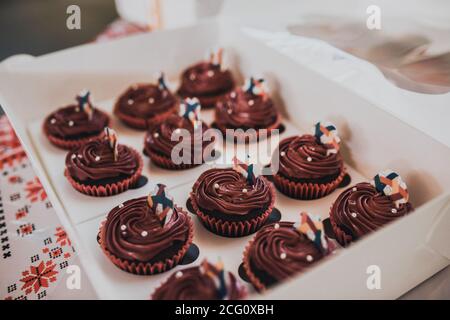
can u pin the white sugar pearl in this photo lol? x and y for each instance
(282, 153)
(230, 111)
(313, 149)
(276, 226)
(354, 189)
(80, 156)
(233, 94)
(354, 214)
(123, 227)
(393, 210)
(77, 109)
(192, 77)
(121, 205)
(73, 156)
(156, 134)
(210, 73)
(144, 233)
(283, 256)
(151, 100)
(251, 102)
(309, 159)
(53, 121)
(179, 274)
(244, 190)
(97, 158)
(130, 102)
(71, 123)
(309, 258)
(216, 186)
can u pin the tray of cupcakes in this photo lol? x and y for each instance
(202, 182)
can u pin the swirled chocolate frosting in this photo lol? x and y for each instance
(93, 162)
(192, 284)
(145, 101)
(134, 233)
(302, 158)
(159, 137)
(227, 191)
(205, 79)
(279, 251)
(362, 209)
(241, 109)
(72, 122)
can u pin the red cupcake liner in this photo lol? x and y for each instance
(109, 189)
(70, 144)
(306, 191)
(275, 125)
(142, 123)
(254, 280)
(167, 163)
(234, 228)
(146, 268)
(340, 236)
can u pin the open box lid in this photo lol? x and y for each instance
(374, 140)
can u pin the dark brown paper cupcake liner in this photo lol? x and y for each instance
(70, 144)
(109, 189)
(340, 236)
(146, 268)
(275, 125)
(234, 228)
(259, 286)
(142, 123)
(167, 163)
(306, 191)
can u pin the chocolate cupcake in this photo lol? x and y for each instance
(284, 249)
(146, 235)
(366, 207)
(231, 203)
(144, 104)
(247, 108)
(103, 167)
(207, 80)
(204, 282)
(188, 129)
(75, 124)
(309, 166)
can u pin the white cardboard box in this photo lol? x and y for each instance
(407, 251)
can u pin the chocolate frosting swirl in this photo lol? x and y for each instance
(94, 161)
(205, 78)
(295, 153)
(271, 243)
(241, 109)
(72, 122)
(362, 209)
(195, 285)
(158, 139)
(229, 197)
(128, 242)
(145, 101)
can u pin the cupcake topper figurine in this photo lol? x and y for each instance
(111, 136)
(217, 274)
(190, 109)
(162, 82)
(391, 184)
(327, 134)
(256, 87)
(312, 227)
(245, 169)
(216, 57)
(84, 103)
(161, 203)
